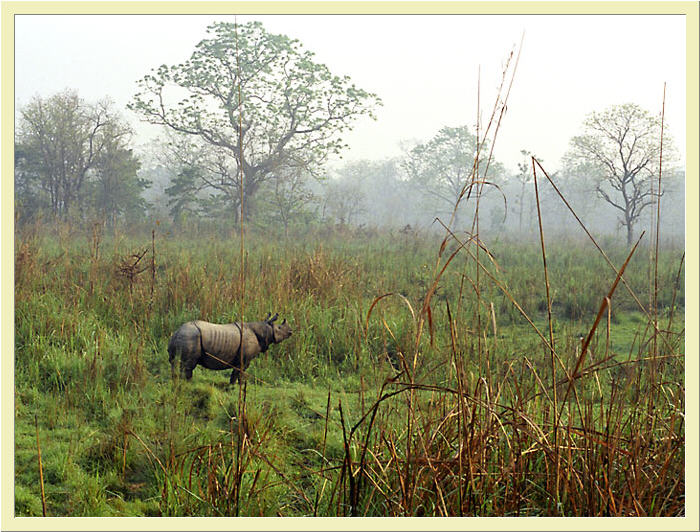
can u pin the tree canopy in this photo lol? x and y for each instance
(445, 166)
(71, 155)
(259, 99)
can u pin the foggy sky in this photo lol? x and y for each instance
(424, 67)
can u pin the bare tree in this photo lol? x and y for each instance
(343, 201)
(621, 145)
(524, 179)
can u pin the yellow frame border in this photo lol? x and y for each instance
(351, 7)
(691, 11)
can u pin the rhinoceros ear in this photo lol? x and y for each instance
(284, 321)
(273, 318)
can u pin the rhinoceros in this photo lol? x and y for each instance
(219, 346)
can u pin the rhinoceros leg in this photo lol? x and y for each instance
(174, 357)
(235, 375)
(187, 364)
(180, 367)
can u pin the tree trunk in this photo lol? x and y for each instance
(522, 207)
(630, 227)
(250, 188)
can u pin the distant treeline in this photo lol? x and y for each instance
(253, 137)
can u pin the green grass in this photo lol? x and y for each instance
(118, 437)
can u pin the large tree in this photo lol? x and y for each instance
(621, 146)
(444, 167)
(259, 99)
(61, 142)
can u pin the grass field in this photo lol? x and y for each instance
(455, 395)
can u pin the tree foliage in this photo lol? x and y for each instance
(258, 99)
(621, 146)
(286, 199)
(204, 182)
(71, 155)
(117, 187)
(343, 201)
(446, 165)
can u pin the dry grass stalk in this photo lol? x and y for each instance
(553, 366)
(655, 291)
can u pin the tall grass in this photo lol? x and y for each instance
(358, 413)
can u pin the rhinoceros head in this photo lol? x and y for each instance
(280, 331)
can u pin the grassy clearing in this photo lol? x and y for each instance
(446, 412)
